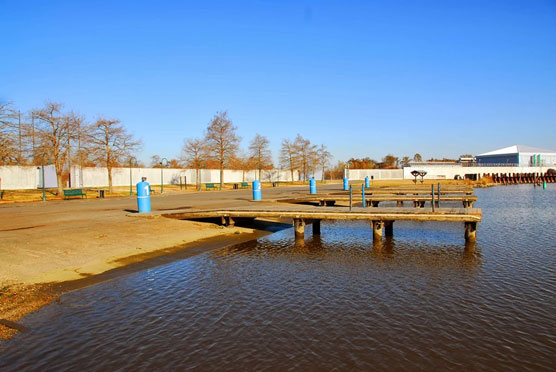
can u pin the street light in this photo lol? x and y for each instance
(163, 163)
(130, 179)
(42, 172)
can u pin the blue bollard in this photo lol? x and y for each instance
(367, 182)
(143, 196)
(257, 194)
(544, 185)
(346, 184)
(313, 186)
(363, 195)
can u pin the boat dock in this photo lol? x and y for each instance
(303, 208)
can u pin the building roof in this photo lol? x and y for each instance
(518, 149)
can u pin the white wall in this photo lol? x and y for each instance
(93, 177)
(15, 177)
(378, 174)
(29, 177)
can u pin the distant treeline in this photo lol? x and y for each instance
(51, 135)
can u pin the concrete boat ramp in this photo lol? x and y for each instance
(297, 208)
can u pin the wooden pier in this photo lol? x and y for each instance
(378, 218)
(374, 200)
(302, 208)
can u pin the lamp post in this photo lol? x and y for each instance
(42, 175)
(163, 163)
(130, 178)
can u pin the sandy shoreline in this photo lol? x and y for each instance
(19, 298)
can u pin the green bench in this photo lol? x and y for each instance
(210, 186)
(74, 192)
(244, 185)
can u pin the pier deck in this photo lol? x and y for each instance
(378, 217)
(374, 200)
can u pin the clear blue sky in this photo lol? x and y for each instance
(366, 78)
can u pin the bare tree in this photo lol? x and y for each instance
(193, 154)
(288, 156)
(156, 161)
(405, 160)
(222, 141)
(324, 157)
(305, 152)
(55, 131)
(259, 151)
(242, 162)
(8, 145)
(389, 162)
(111, 144)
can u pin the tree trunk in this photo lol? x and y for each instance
(260, 172)
(243, 176)
(59, 182)
(323, 174)
(221, 177)
(110, 189)
(197, 180)
(291, 170)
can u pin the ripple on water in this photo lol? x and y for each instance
(418, 301)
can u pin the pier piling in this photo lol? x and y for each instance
(389, 228)
(316, 227)
(299, 226)
(377, 229)
(470, 231)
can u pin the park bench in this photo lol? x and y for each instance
(244, 185)
(210, 186)
(74, 192)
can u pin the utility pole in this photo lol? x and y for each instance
(79, 153)
(33, 135)
(69, 152)
(20, 155)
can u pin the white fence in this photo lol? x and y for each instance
(29, 177)
(26, 177)
(377, 174)
(98, 177)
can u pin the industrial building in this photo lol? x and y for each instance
(518, 155)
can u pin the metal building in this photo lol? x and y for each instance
(518, 155)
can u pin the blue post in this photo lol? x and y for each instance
(143, 196)
(257, 194)
(544, 185)
(367, 182)
(313, 186)
(363, 194)
(346, 184)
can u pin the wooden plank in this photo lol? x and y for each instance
(384, 197)
(324, 213)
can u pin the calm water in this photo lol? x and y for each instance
(422, 301)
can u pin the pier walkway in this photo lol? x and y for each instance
(379, 218)
(303, 208)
